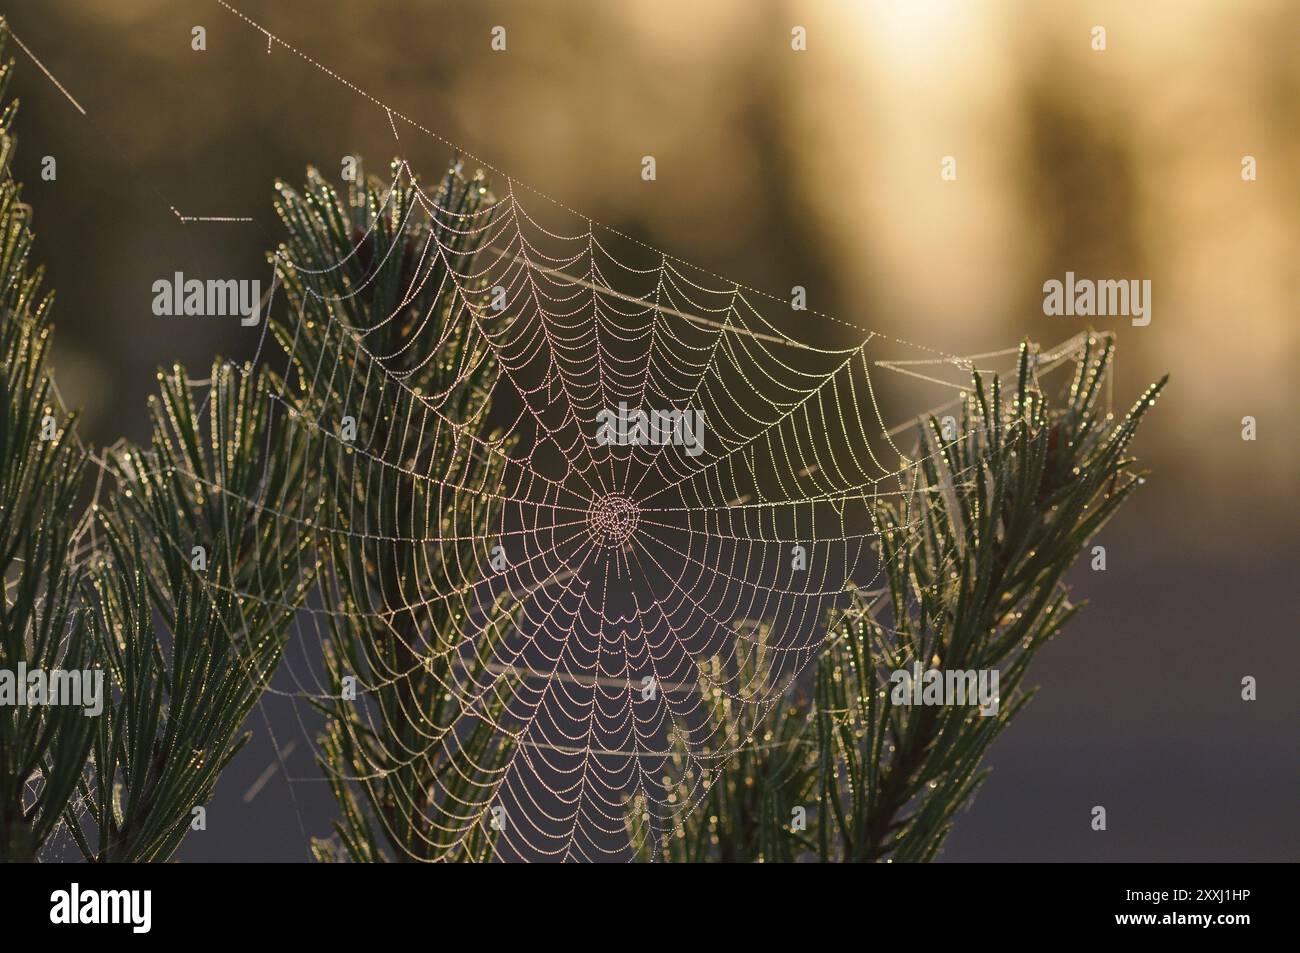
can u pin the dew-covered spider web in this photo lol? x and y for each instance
(571, 488)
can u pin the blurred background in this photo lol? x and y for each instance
(819, 168)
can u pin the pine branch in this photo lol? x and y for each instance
(187, 649)
(378, 338)
(42, 625)
(747, 811)
(973, 557)
(203, 535)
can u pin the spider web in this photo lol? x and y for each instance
(595, 594)
(644, 578)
